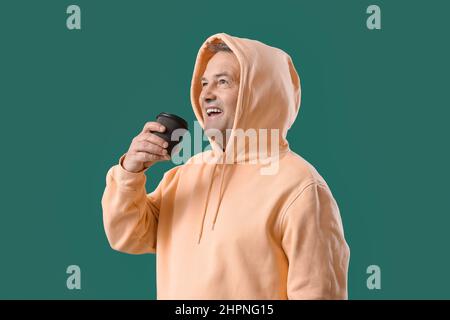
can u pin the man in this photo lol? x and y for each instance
(222, 229)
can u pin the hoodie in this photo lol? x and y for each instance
(245, 224)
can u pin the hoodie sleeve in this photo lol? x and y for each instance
(313, 241)
(130, 216)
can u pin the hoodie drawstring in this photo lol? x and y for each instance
(220, 197)
(207, 200)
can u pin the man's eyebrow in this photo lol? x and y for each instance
(219, 75)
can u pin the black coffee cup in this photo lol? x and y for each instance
(171, 122)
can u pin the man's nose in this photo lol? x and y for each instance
(208, 96)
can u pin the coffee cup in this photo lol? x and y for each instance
(171, 122)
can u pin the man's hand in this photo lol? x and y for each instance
(146, 149)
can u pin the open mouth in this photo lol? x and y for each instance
(213, 112)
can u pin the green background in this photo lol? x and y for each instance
(373, 121)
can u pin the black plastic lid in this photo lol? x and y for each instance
(175, 117)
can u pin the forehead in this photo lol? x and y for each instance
(222, 62)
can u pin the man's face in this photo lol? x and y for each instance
(220, 88)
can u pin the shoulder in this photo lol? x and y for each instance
(300, 171)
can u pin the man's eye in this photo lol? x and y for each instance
(223, 81)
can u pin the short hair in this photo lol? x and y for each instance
(218, 46)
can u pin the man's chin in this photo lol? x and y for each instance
(214, 133)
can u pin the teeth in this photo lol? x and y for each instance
(211, 110)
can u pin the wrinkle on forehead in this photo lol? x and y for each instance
(223, 62)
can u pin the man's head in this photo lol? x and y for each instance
(220, 88)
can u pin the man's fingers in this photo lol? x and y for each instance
(153, 126)
(145, 157)
(150, 137)
(145, 146)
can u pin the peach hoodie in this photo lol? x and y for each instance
(225, 230)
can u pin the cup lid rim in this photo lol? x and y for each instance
(173, 116)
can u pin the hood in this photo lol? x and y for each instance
(269, 98)
(269, 90)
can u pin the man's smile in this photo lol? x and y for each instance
(213, 112)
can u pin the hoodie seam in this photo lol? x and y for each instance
(298, 195)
